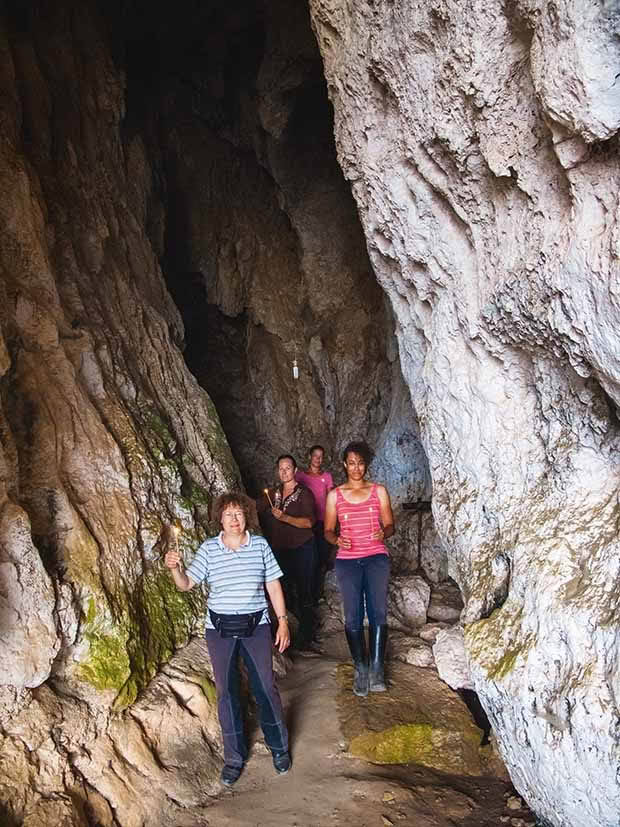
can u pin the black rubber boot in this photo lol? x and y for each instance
(356, 639)
(306, 627)
(377, 639)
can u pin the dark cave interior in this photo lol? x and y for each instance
(262, 249)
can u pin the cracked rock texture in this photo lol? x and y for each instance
(482, 152)
(146, 765)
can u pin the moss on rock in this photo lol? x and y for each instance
(422, 743)
(135, 619)
(403, 744)
(162, 618)
(107, 666)
(206, 685)
(126, 652)
(498, 642)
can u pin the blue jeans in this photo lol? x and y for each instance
(364, 581)
(256, 652)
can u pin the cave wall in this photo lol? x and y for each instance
(482, 151)
(105, 434)
(130, 203)
(264, 255)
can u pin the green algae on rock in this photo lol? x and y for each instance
(206, 685)
(107, 666)
(497, 642)
(125, 653)
(425, 744)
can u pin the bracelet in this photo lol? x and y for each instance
(283, 617)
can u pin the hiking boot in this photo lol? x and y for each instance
(230, 775)
(281, 762)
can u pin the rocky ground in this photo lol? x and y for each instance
(339, 746)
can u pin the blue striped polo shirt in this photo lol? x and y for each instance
(236, 578)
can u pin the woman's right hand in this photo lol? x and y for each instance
(343, 542)
(172, 559)
(283, 636)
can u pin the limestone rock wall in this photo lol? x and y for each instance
(104, 434)
(116, 162)
(482, 151)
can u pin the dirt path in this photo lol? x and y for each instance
(328, 786)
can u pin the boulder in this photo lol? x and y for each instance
(408, 598)
(451, 658)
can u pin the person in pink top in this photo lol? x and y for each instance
(320, 482)
(362, 512)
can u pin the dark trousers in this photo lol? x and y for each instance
(256, 652)
(364, 582)
(324, 549)
(299, 566)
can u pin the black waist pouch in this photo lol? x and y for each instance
(236, 625)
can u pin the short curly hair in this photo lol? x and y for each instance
(360, 448)
(247, 505)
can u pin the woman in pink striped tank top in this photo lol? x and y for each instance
(362, 512)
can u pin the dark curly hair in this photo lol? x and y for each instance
(361, 448)
(247, 505)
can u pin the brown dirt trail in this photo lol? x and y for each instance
(328, 785)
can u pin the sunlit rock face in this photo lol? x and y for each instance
(482, 152)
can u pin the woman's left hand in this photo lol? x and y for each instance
(277, 513)
(379, 534)
(283, 636)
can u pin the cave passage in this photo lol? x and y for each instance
(206, 150)
(263, 251)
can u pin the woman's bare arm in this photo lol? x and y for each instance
(387, 518)
(298, 522)
(276, 595)
(331, 519)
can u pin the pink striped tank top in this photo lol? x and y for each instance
(358, 521)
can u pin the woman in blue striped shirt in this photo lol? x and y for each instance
(238, 566)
